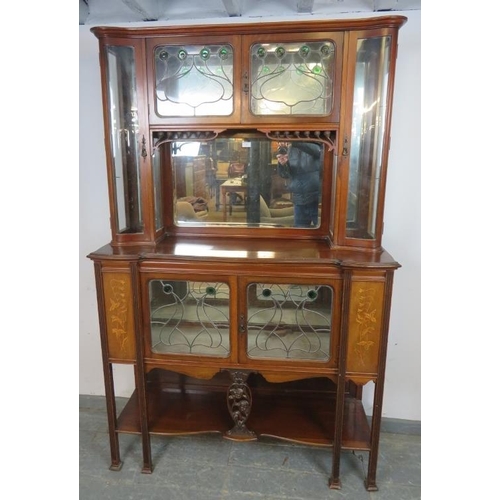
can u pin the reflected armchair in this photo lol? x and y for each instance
(281, 216)
(186, 212)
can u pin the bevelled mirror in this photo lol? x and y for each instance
(247, 180)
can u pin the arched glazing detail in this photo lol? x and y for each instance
(292, 78)
(194, 80)
(289, 321)
(189, 317)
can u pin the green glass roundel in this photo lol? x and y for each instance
(317, 69)
(163, 55)
(301, 69)
(312, 294)
(210, 290)
(168, 289)
(280, 52)
(304, 51)
(182, 54)
(224, 53)
(261, 51)
(204, 54)
(267, 292)
(325, 50)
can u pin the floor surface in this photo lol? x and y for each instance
(208, 467)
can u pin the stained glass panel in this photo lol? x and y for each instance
(292, 78)
(194, 80)
(289, 321)
(189, 317)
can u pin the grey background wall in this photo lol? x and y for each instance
(401, 234)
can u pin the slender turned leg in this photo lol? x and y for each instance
(370, 483)
(334, 482)
(114, 444)
(147, 467)
(239, 403)
(140, 375)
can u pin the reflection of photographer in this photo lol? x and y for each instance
(300, 163)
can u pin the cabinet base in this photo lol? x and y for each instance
(302, 412)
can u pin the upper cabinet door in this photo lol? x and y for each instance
(194, 80)
(249, 79)
(292, 78)
(372, 57)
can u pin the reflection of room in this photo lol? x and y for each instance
(232, 181)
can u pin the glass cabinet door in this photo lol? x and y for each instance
(124, 136)
(289, 321)
(293, 76)
(367, 137)
(193, 79)
(189, 317)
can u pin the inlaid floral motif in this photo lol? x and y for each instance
(366, 319)
(117, 312)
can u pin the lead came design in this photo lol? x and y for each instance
(194, 80)
(292, 78)
(289, 321)
(189, 317)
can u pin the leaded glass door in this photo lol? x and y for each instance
(292, 77)
(188, 317)
(194, 79)
(289, 321)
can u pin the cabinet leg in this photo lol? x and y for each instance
(239, 403)
(114, 445)
(370, 482)
(147, 467)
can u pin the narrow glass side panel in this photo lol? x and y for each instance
(157, 184)
(124, 129)
(367, 134)
(189, 317)
(292, 78)
(289, 321)
(194, 80)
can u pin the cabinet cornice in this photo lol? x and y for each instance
(251, 28)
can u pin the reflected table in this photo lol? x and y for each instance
(234, 185)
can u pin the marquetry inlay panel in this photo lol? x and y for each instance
(119, 315)
(365, 321)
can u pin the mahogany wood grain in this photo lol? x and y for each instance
(293, 400)
(301, 419)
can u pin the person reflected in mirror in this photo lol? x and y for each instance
(300, 163)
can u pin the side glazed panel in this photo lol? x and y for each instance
(118, 305)
(365, 324)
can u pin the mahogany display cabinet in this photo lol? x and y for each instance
(245, 278)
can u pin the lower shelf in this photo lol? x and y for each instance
(300, 417)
